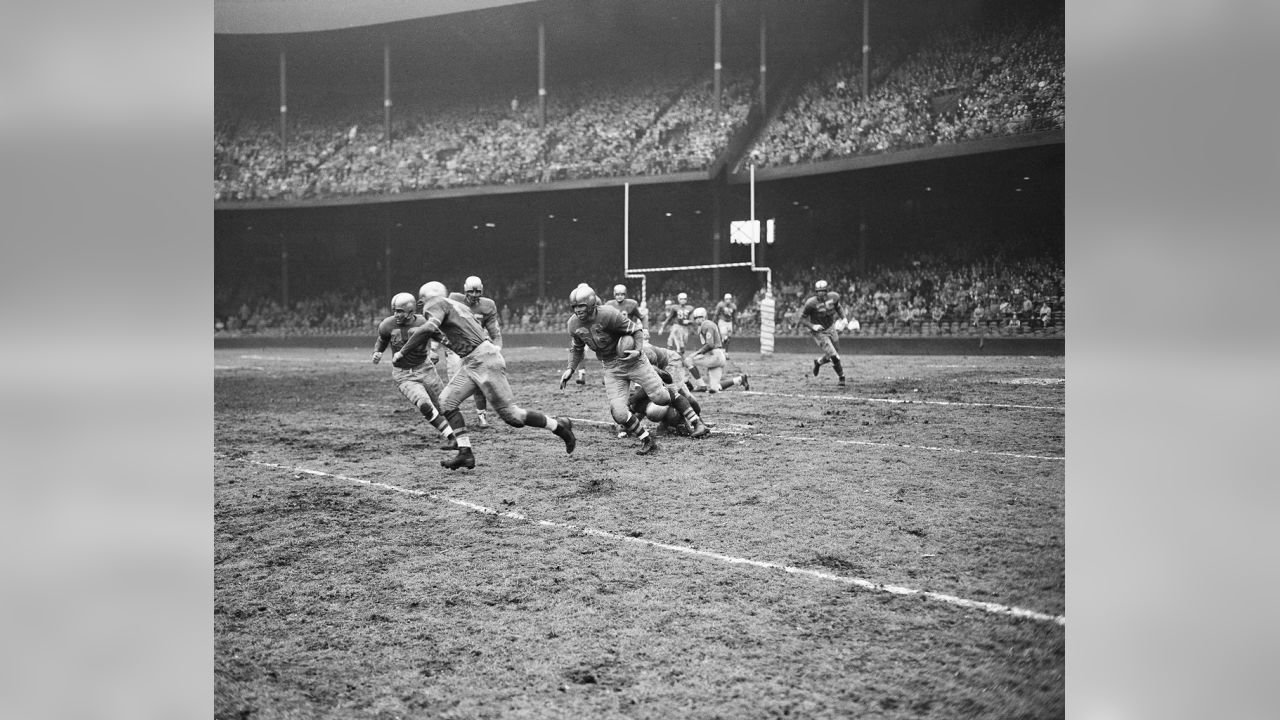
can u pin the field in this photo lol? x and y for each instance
(893, 549)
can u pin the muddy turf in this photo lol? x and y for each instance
(891, 549)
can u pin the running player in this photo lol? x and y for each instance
(417, 378)
(482, 366)
(821, 311)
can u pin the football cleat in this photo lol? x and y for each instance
(745, 385)
(816, 366)
(482, 422)
(648, 447)
(700, 388)
(700, 431)
(840, 382)
(464, 459)
(564, 429)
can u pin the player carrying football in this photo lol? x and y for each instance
(601, 327)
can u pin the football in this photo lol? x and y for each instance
(626, 343)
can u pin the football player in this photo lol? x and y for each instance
(601, 328)
(678, 319)
(668, 367)
(821, 311)
(483, 367)
(416, 378)
(486, 312)
(725, 311)
(709, 359)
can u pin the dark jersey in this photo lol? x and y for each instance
(822, 310)
(452, 323)
(600, 333)
(396, 335)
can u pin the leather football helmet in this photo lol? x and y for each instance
(403, 305)
(473, 289)
(432, 289)
(584, 301)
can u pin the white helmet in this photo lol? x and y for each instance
(700, 313)
(432, 289)
(682, 298)
(728, 297)
(472, 284)
(403, 302)
(619, 290)
(820, 286)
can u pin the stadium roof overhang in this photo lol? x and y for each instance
(247, 17)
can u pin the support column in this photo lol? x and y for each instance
(284, 110)
(764, 67)
(386, 89)
(284, 272)
(542, 74)
(718, 66)
(866, 48)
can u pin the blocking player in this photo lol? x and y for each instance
(483, 367)
(725, 311)
(416, 378)
(600, 327)
(821, 311)
(668, 367)
(709, 359)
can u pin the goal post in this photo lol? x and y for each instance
(746, 232)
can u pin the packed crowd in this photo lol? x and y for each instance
(652, 124)
(964, 84)
(923, 296)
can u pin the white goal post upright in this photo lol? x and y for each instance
(766, 305)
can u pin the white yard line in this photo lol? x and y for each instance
(684, 549)
(906, 402)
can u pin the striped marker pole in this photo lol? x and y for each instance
(766, 323)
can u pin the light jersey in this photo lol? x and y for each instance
(710, 335)
(822, 311)
(395, 335)
(725, 311)
(681, 314)
(486, 312)
(627, 307)
(600, 333)
(452, 323)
